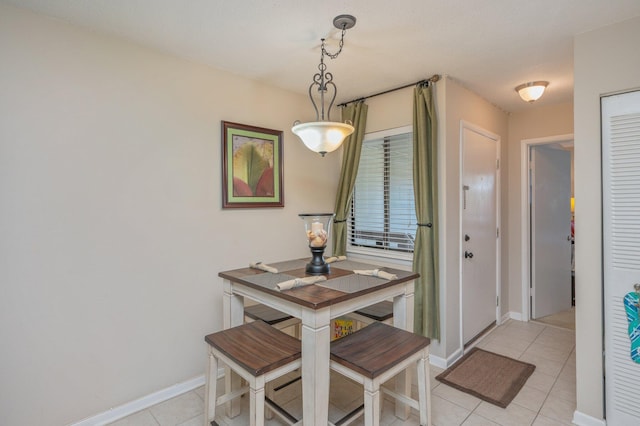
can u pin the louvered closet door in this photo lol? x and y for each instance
(621, 227)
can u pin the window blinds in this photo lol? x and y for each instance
(383, 209)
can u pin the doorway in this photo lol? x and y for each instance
(479, 224)
(547, 231)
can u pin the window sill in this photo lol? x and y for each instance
(402, 261)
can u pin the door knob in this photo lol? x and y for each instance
(468, 255)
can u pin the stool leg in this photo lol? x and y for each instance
(371, 403)
(270, 393)
(256, 402)
(210, 389)
(424, 390)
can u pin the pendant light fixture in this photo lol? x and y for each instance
(322, 135)
(532, 91)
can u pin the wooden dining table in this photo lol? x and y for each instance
(316, 305)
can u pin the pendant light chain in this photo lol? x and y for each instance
(324, 135)
(335, 55)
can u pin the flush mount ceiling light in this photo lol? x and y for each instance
(532, 91)
(322, 135)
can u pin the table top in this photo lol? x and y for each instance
(341, 284)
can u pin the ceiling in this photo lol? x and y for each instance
(489, 46)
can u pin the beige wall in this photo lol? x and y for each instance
(605, 61)
(531, 123)
(111, 227)
(454, 103)
(460, 104)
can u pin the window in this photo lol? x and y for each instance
(383, 217)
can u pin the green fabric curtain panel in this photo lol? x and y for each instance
(352, 146)
(425, 187)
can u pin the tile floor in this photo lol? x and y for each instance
(548, 397)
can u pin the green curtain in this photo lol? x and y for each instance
(425, 187)
(352, 146)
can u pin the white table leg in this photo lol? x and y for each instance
(233, 315)
(403, 318)
(316, 337)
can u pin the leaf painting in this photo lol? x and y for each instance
(253, 167)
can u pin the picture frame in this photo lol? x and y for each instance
(252, 169)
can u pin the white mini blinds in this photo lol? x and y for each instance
(382, 207)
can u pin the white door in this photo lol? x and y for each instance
(621, 250)
(550, 230)
(479, 231)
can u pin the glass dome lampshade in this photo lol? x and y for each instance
(322, 136)
(532, 91)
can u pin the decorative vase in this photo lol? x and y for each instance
(317, 227)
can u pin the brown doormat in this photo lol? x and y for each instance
(491, 377)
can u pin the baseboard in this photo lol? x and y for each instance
(514, 316)
(445, 363)
(582, 419)
(132, 407)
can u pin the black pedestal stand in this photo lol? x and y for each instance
(317, 266)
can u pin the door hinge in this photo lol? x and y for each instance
(497, 232)
(497, 164)
(497, 300)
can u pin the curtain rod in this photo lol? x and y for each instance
(431, 79)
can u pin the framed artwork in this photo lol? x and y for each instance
(251, 167)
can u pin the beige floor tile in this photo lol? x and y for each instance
(344, 392)
(196, 421)
(530, 398)
(558, 409)
(546, 421)
(565, 319)
(476, 420)
(513, 415)
(523, 330)
(506, 340)
(433, 372)
(551, 336)
(411, 421)
(501, 349)
(141, 418)
(568, 372)
(541, 381)
(446, 413)
(548, 352)
(200, 391)
(564, 389)
(544, 365)
(462, 399)
(178, 410)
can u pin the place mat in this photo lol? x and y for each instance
(352, 265)
(491, 377)
(290, 264)
(351, 283)
(268, 280)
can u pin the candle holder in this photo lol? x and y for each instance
(318, 231)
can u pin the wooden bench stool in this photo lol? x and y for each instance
(376, 353)
(258, 353)
(379, 312)
(271, 316)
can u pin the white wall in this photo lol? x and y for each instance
(606, 60)
(530, 123)
(111, 227)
